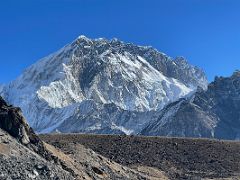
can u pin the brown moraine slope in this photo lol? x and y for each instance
(178, 158)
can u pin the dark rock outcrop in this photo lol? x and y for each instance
(24, 156)
(13, 122)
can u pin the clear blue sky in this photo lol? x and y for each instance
(206, 32)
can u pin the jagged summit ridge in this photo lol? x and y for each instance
(213, 113)
(177, 68)
(100, 72)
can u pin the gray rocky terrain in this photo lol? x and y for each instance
(19, 162)
(24, 156)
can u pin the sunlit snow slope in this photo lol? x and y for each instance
(101, 86)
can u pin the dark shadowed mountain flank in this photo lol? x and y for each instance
(214, 113)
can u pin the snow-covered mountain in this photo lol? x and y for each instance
(101, 86)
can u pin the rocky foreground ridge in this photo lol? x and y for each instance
(24, 156)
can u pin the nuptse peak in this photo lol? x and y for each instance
(101, 86)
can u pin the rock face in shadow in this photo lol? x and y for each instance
(214, 113)
(13, 122)
(23, 154)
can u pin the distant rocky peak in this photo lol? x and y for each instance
(236, 74)
(115, 40)
(83, 41)
(84, 38)
(227, 84)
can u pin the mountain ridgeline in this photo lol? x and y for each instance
(111, 87)
(214, 113)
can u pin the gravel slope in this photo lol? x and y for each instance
(19, 162)
(179, 158)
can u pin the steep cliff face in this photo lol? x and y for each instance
(213, 113)
(13, 122)
(97, 74)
